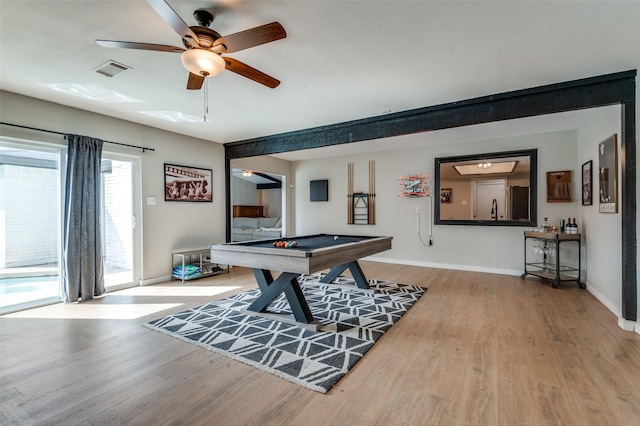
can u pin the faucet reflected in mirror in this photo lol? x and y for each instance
(494, 209)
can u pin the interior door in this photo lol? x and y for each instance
(489, 199)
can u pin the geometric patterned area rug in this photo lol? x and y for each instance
(352, 321)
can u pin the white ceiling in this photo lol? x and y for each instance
(341, 60)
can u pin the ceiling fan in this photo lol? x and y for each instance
(203, 47)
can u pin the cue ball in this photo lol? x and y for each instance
(335, 238)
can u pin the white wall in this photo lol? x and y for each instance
(167, 226)
(602, 232)
(244, 192)
(491, 249)
(272, 201)
(28, 216)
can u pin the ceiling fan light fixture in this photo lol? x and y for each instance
(202, 62)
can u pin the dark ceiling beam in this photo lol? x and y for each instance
(568, 96)
(267, 177)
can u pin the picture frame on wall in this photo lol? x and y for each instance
(319, 190)
(445, 195)
(187, 184)
(587, 186)
(559, 185)
(608, 174)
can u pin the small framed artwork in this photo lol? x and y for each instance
(608, 174)
(445, 195)
(586, 183)
(183, 183)
(559, 186)
(319, 190)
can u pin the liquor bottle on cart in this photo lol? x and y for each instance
(544, 226)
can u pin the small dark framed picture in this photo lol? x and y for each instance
(183, 183)
(587, 186)
(445, 195)
(319, 190)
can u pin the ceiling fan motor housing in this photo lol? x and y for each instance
(206, 37)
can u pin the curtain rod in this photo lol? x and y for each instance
(144, 149)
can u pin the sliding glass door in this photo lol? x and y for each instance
(29, 225)
(31, 177)
(120, 212)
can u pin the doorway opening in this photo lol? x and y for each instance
(489, 199)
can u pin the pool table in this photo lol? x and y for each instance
(313, 253)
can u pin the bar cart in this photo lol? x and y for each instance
(550, 268)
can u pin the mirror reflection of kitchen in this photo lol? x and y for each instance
(488, 189)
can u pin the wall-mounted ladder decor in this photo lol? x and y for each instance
(361, 206)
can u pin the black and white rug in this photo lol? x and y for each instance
(352, 321)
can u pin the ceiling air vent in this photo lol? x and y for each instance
(111, 68)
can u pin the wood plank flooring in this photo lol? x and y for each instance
(477, 349)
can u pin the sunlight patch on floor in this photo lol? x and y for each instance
(93, 311)
(175, 290)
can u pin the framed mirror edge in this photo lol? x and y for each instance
(533, 192)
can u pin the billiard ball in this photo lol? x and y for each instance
(335, 238)
(295, 243)
(275, 244)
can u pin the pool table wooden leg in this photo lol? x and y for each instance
(270, 289)
(356, 272)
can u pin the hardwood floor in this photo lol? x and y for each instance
(477, 349)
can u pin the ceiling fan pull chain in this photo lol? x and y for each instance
(206, 99)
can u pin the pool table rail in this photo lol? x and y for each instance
(296, 260)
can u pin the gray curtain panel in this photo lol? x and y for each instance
(83, 270)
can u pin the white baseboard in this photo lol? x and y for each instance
(627, 325)
(637, 327)
(471, 268)
(617, 312)
(157, 280)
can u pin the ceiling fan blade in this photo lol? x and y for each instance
(141, 46)
(253, 37)
(250, 72)
(195, 81)
(165, 11)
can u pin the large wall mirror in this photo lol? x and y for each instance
(490, 189)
